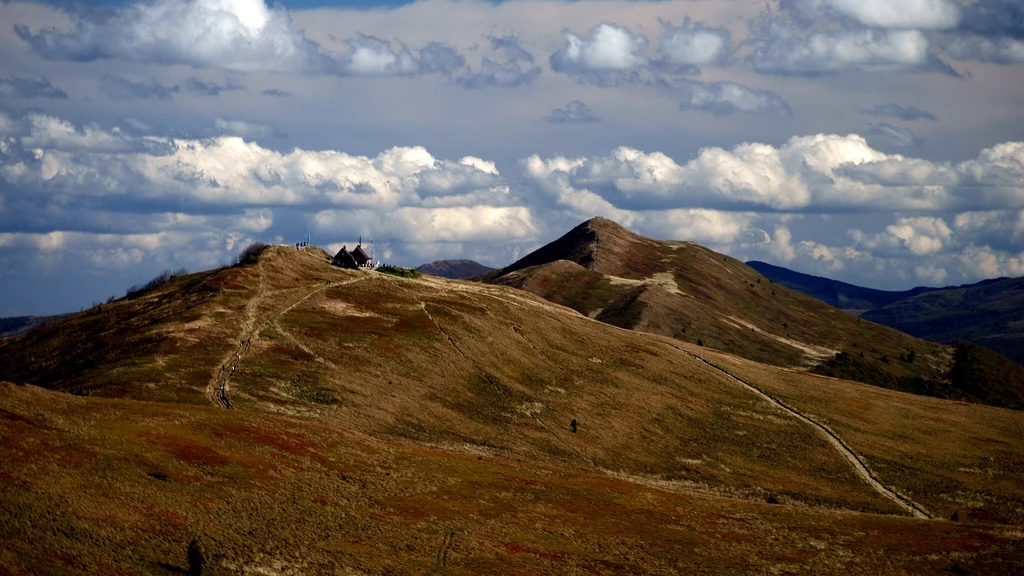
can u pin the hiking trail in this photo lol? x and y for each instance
(219, 386)
(855, 459)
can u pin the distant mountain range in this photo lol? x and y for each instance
(15, 325)
(455, 269)
(989, 313)
(833, 292)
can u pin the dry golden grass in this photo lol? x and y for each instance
(106, 486)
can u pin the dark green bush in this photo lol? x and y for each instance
(396, 271)
(251, 254)
(164, 277)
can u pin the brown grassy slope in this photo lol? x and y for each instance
(361, 410)
(471, 367)
(110, 486)
(468, 367)
(131, 347)
(163, 345)
(948, 456)
(685, 291)
(983, 374)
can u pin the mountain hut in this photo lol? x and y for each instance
(361, 257)
(345, 259)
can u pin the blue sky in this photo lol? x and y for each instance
(874, 141)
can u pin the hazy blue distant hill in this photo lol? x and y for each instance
(19, 324)
(455, 269)
(989, 313)
(833, 292)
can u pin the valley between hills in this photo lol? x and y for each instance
(610, 404)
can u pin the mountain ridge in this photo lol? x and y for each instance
(690, 293)
(458, 269)
(844, 295)
(982, 313)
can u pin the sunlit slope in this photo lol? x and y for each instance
(456, 365)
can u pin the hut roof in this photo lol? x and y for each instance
(360, 255)
(344, 259)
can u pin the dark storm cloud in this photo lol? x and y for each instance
(994, 18)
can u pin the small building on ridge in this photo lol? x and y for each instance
(361, 257)
(344, 259)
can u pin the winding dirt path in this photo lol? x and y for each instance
(851, 455)
(216, 390)
(220, 385)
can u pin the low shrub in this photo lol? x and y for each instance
(396, 271)
(196, 558)
(251, 254)
(136, 290)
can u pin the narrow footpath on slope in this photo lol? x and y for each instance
(855, 459)
(251, 328)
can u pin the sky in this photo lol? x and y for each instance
(879, 142)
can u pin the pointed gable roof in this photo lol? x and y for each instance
(360, 255)
(344, 259)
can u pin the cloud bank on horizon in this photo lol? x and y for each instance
(868, 140)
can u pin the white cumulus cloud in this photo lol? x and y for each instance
(823, 172)
(899, 14)
(242, 35)
(694, 44)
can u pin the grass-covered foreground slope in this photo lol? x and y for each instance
(386, 425)
(107, 486)
(951, 457)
